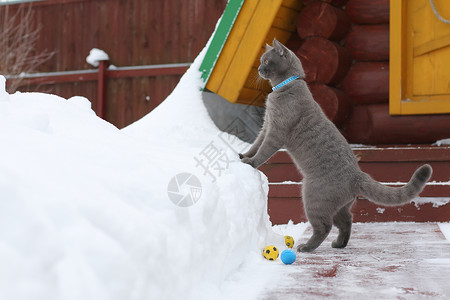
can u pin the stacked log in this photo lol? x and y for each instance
(344, 49)
(372, 124)
(322, 26)
(368, 11)
(367, 82)
(323, 19)
(369, 42)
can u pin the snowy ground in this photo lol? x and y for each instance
(86, 211)
(382, 261)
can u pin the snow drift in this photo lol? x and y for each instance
(85, 211)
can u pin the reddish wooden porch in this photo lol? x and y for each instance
(391, 165)
(382, 261)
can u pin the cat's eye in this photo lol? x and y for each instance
(266, 61)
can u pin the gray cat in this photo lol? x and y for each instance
(331, 176)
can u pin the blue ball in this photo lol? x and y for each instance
(288, 256)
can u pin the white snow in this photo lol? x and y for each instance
(445, 229)
(85, 211)
(4, 96)
(380, 210)
(96, 55)
(442, 142)
(436, 201)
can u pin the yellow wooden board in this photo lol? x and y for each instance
(235, 76)
(419, 57)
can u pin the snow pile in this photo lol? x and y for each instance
(442, 142)
(4, 96)
(85, 210)
(96, 55)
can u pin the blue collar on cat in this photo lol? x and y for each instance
(285, 82)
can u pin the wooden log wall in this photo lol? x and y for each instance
(344, 49)
(322, 25)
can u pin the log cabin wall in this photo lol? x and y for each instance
(344, 48)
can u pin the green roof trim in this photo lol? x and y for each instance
(220, 36)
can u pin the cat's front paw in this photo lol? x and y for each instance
(249, 161)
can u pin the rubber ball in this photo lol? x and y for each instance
(288, 256)
(270, 252)
(289, 241)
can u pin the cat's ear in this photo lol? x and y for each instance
(279, 48)
(268, 47)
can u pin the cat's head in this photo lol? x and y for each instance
(279, 63)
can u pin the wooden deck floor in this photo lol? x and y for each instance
(382, 261)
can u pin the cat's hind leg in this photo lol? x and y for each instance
(319, 216)
(343, 221)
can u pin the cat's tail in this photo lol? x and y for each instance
(392, 196)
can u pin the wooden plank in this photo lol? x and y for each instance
(403, 170)
(286, 19)
(38, 3)
(366, 211)
(230, 47)
(293, 190)
(280, 34)
(220, 37)
(432, 45)
(293, 4)
(439, 105)
(404, 153)
(393, 153)
(391, 164)
(396, 65)
(249, 46)
(281, 210)
(252, 96)
(281, 172)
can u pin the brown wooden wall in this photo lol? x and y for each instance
(133, 33)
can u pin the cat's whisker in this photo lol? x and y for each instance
(254, 80)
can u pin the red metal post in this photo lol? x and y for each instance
(101, 88)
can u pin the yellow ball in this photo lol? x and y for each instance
(271, 252)
(289, 240)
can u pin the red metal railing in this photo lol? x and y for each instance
(101, 75)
